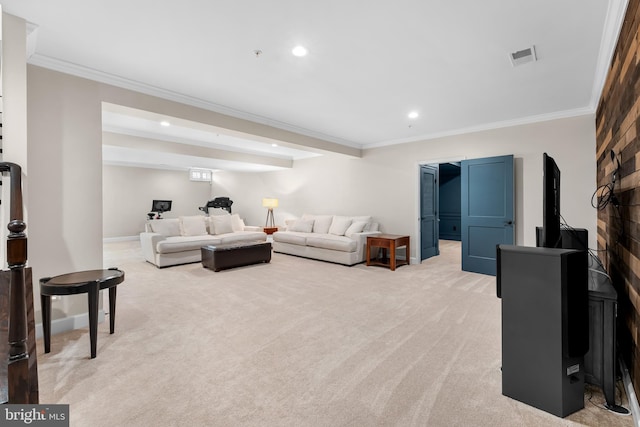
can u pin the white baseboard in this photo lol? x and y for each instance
(119, 239)
(78, 321)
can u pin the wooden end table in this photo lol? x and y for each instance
(83, 282)
(269, 230)
(391, 242)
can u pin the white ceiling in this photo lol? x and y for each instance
(369, 63)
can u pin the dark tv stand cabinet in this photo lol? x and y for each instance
(600, 360)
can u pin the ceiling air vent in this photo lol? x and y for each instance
(523, 56)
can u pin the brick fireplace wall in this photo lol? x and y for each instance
(617, 130)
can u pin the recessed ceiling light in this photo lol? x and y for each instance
(165, 123)
(299, 51)
(413, 115)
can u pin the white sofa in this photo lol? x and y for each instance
(174, 241)
(333, 238)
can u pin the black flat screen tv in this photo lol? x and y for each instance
(551, 237)
(161, 206)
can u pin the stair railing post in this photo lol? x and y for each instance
(18, 368)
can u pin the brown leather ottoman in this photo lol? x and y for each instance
(229, 255)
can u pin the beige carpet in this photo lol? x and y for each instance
(295, 342)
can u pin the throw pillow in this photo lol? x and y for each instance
(371, 226)
(302, 226)
(166, 227)
(308, 217)
(339, 225)
(237, 223)
(220, 224)
(193, 226)
(355, 227)
(289, 222)
(322, 223)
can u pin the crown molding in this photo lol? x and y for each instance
(613, 24)
(490, 126)
(111, 79)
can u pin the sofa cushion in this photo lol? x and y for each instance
(217, 211)
(302, 225)
(321, 223)
(184, 243)
(220, 224)
(166, 227)
(333, 242)
(237, 223)
(193, 226)
(292, 237)
(355, 227)
(339, 225)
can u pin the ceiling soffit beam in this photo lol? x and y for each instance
(120, 101)
(139, 143)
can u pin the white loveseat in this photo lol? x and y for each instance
(175, 241)
(333, 238)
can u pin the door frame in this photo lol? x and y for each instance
(417, 229)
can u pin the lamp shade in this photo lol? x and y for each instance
(270, 203)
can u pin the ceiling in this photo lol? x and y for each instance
(133, 138)
(368, 64)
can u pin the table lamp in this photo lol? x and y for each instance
(270, 203)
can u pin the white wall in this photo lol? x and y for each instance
(14, 115)
(247, 191)
(129, 191)
(65, 178)
(384, 182)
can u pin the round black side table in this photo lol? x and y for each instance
(89, 282)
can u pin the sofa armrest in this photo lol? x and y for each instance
(361, 240)
(362, 237)
(148, 243)
(252, 228)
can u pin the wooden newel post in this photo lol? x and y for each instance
(18, 368)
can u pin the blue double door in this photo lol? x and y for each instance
(487, 212)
